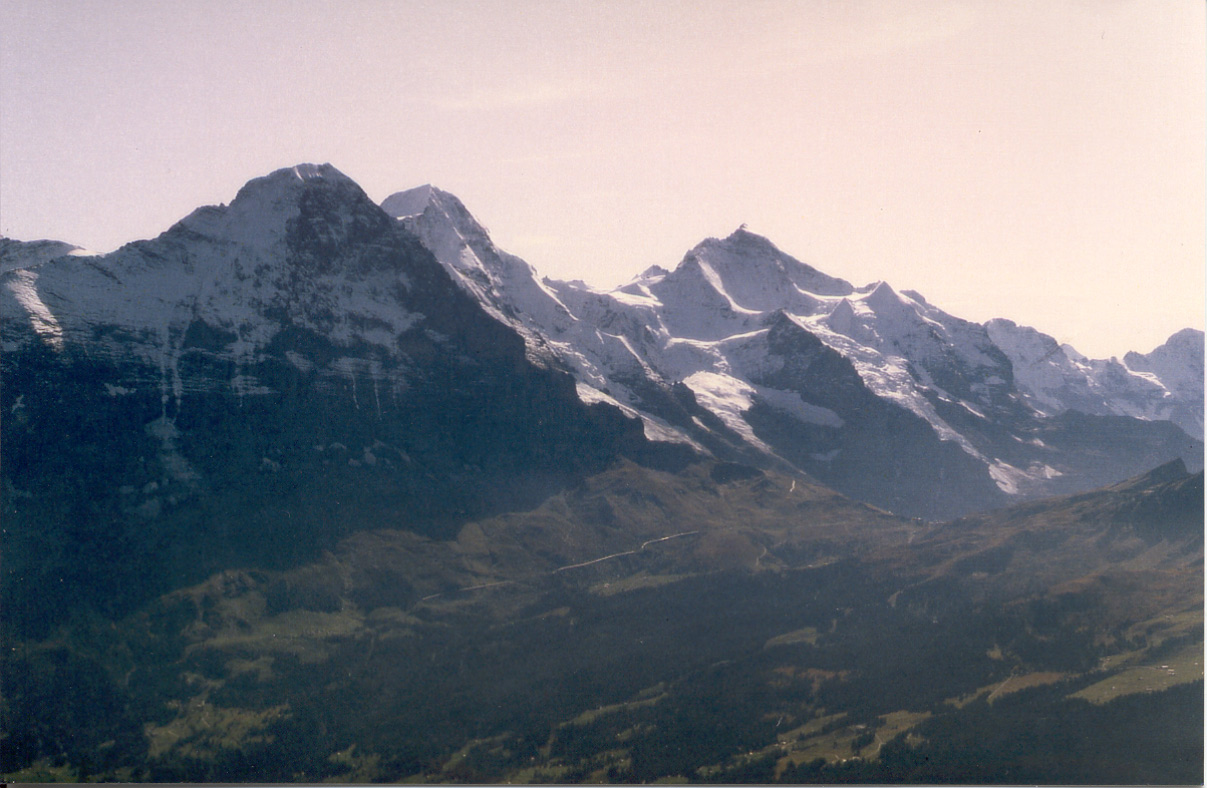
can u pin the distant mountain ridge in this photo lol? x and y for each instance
(741, 351)
(952, 416)
(1164, 385)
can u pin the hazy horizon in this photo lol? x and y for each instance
(1040, 162)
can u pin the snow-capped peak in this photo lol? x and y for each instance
(306, 172)
(1188, 341)
(1166, 384)
(428, 206)
(260, 214)
(741, 350)
(882, 297)
(505, 285)
(30, 254)
(412, 202)
(743, 236)
(842, 318)
(748, 274)
(290, 180)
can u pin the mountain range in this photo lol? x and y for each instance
(367, 430)
(741, 351)
(747, 353)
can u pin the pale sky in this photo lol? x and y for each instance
(1039, 160)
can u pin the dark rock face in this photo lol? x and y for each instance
(879, 453)
(333, 380)
(758, 358)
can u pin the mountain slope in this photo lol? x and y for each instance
(1164, 385)
(596, 636)
(246, 388)
(936, 419)
(601, 358)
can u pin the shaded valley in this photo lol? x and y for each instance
(719, 624)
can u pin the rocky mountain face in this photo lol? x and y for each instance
(254, 383)
(1164, 385)
(268, 376)
(748, 354)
